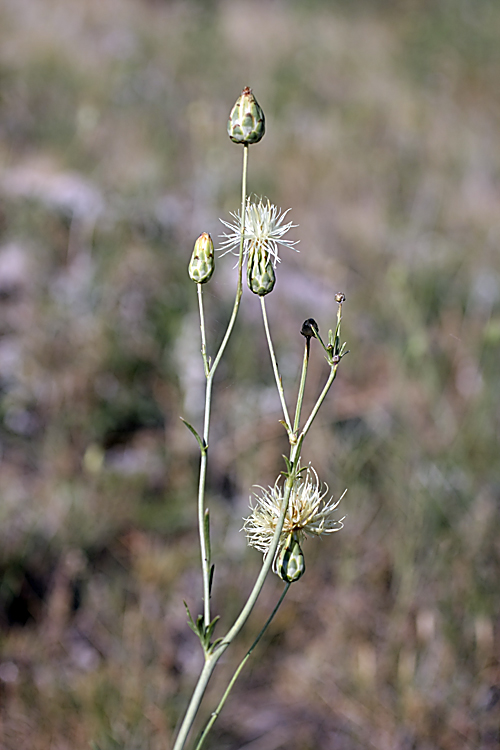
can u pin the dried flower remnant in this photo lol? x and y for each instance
(309, 328)
(307, 513)
(264, 231)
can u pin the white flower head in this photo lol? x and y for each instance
(263, 232)
(307, 513)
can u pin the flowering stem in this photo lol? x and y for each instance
(216, 713)
(239, 287)
(279, 383)
(204, 542)
(294, 462)
(194, 704)
(212, 658)
(300, 396)
(331, 378)
(206, 363)
(209, 373)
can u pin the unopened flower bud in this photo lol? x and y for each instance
(291, 565)
(260, 273)
(202, 263)
(246, 123)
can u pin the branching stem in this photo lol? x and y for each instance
(279, 383)
(214, 651)
(214, 716)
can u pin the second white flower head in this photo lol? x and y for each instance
(263, 230)
(308, 513)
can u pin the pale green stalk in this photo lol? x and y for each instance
(211, 659)
(300, 396)
(216, 713)
(334, 357)
(210, 369)
(331, 378)
(279, 383)
(206, 363)
(214, 652)
(296, 442)
(210, 372)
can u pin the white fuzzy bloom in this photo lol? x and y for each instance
(307, 513)
(264, 230)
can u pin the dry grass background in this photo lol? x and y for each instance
(383, 121)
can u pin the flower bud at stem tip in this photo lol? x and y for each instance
(202, 263)
(247, 123)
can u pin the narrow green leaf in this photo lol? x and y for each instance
(211, 579)
(288, 466)
(214, 645)
(210, 629)
(191, 622)
(200, 626)
(201, 442)
(206, 532)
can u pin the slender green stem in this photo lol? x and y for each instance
(211, 660)
(334, 357)
(204, 542)
(216, 713)
(331, 378)
(206, 364)
(300, 396)
(194, 703)
(209, 373)
(274, 361)
(239, 288)
(295, 450)
(213, 654)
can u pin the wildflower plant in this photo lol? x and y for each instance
(298, 505)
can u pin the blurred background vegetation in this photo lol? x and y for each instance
(382, 134)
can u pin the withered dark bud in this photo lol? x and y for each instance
(340, 298)
(309, 328)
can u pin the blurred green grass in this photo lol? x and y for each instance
(382, 134)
